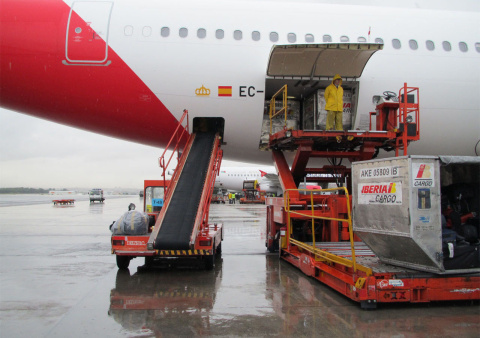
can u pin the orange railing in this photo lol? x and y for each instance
(320, 254)
(408, 114)
(405, 123)
(273, 108)
(213, 170)
(179, 134)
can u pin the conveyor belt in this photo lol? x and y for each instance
(182, 209)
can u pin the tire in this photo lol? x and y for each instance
(123, 262)
(149, 261)
(275, 245)
(210, 260)
(218, 251)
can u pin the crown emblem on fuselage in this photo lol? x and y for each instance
(202, 91)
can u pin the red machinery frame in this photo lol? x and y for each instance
(329, 251)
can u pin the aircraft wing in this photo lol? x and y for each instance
(270, 183)
(272, 177)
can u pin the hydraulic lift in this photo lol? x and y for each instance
(313, 229)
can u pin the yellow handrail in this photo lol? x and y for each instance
(273, 110)
(313, 249)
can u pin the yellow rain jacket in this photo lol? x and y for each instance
(334, 96)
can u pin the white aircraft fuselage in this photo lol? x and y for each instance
(232, 178)
(128, 69)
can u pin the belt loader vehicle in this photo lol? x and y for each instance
(178, 226)
(96, 195)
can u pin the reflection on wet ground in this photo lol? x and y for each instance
(59, 280)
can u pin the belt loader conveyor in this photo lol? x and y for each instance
(181, 228)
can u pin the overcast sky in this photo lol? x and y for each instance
(41, 154)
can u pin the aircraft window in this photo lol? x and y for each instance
(147, 31)
(378, 40)
(128, 31)
(255, 36)
(413, 44)
(237, 35)
(274, 36)
(165, 32)
(183, 32)
(219, 34)
(477, 46)
(291, 37)
(78, 30)
(327, 38)
(361, 39)
(201, 33)
(447, 46)
(396, 44)
(344, 38)
(430, 45)
(309, 38)
(463, 46)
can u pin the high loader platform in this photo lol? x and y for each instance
(376, 236)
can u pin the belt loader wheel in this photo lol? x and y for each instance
(123, 262)
(210, 259)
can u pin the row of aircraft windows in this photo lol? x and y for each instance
(292, 38)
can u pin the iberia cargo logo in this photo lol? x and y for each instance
(380, 193)
(424, 171)
(423, 175)
(224, 90)
(379, 189)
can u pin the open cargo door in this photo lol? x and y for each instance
(320, 60)
(307, 70)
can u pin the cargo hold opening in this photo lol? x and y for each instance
(460, 208)
(307, 70)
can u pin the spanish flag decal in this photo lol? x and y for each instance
(224, 90)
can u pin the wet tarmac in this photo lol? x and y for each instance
(59, 280)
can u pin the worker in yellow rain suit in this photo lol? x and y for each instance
(334, 103)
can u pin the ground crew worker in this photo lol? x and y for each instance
(229, 198)
(233, 198)
(334, 104)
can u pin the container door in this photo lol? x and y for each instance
(87, 32)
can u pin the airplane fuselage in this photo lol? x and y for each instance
(129, 69)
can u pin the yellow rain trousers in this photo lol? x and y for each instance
(334, 105)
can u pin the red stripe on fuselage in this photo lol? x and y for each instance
(110, 100)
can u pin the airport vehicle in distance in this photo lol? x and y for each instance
(96, 195)
(252, 193)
